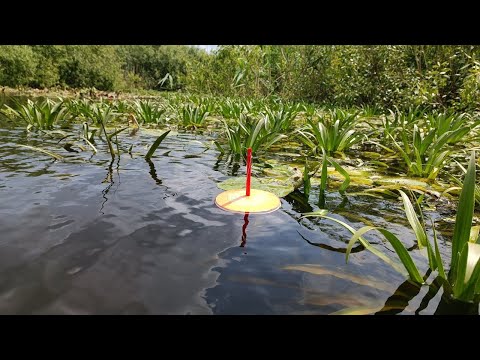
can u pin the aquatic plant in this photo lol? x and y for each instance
(451, 123)
(89, 136)
(462, 281)
(37, 115)
(425, 154)
(148, 113)
(122, 106)
(333, 133)
(99, 112)
(397, 122)
(280, 118)
(231, 109)
(248, 133)
(459, 183)
(155, 145)
(194, 116)
(370, 111)
(49, 153)
(309, 173)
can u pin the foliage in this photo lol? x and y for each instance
(40, 115)
(463, 279)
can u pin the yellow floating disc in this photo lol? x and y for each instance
(259, 201)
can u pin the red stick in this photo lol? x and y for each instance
(249, 169)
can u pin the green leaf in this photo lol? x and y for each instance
(112, 153)
(323, 181)
(306, 181)
(56, 156)
(474, 231)
(362, 240)
(219, 147)
(156, 144)
(358, 310)
(338, 273)
(441, 270)
(459, 282)
(413, 220)
(280, 189)
(463, 221)
(472, 260)
(397, 246)
(342, 171)
(116, 132)
(473, 283)
(90, 144)
(320, 212)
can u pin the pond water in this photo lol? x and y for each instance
(91, 236)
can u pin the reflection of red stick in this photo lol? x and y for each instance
(244, 230)
(249, 169)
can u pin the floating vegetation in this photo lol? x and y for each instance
(49, 153)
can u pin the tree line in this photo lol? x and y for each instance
(373, 75)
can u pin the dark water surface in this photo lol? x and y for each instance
(88, 236)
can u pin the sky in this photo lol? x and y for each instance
(208, 48)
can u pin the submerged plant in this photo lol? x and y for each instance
(52, 154)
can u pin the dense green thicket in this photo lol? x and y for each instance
(384, 76)
(104, 67)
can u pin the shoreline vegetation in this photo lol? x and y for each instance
(381, 76)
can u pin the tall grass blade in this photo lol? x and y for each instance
(363, 241)
(463, 220)
(397, 246)
(155, 145)
(413, 220)
(342, 171)
(56, 156)
(441, 270)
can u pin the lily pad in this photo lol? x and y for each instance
(157, 132)
(401, 181)
(278, 188)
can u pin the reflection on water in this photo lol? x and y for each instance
(94, 236)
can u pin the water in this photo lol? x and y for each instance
(92, 236)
